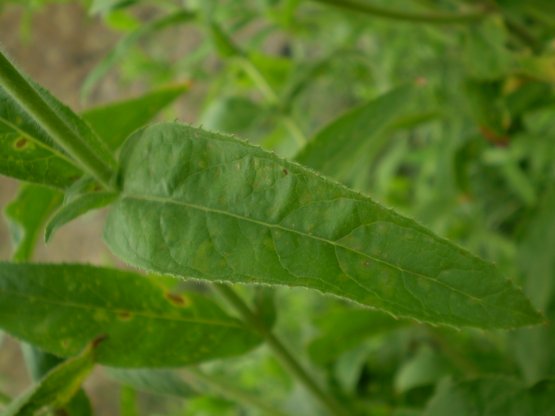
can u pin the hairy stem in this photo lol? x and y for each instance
(31, 101)
(280, 350)
(433, 18)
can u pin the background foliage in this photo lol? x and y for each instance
(442, 110)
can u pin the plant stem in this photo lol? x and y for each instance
(231, 392)
(280, 350)
(432, 18)
(31, 101)
(271, 97)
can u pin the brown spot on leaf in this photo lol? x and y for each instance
(285, 172)
(494, 138)
(124, 315)
(98, 340)
(178, 300)
(21, 143)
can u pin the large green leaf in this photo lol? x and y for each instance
(492, 397)
(57, 387)
(115, 121)
(203, 205)
(27, 214)
(62, 307)
(355, 134)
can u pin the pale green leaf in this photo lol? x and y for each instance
(127, 42)
(60, 308)
(203, 205)
(115, 121)
(27, 214)
(355, 134)
(486, 55)
(75, 208)
(57, 387)
(492, 397)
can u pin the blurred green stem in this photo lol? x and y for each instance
(433, 18)
(280, 350)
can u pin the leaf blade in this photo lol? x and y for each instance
(116, 120)
(219, 209)
(57, 387)
(127, 308)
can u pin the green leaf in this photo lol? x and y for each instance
(29, 153)
(104, 6)
(426, 367)
(534, 347)
(203, 205)
(57, 387)
(127, 42)
(492, 397)
(60, 308)
(26, 216)
(39, 363)
(115, 121)
(27, 160)
(163, 382)
(75, 208)
(233, 114)
(486, 55)
(342, 329)
(354, 134)
(79, 405)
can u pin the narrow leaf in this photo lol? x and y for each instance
(57, 387)
(27, 160)
(27, 214)
(163, 328)
(127, 42)
(492, 397)
(203, 205)
(534, 347)
(75, 208)
(347, 138)
(30, 154)
(115, 121)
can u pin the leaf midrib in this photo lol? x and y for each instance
(122, 311)
(159, 199)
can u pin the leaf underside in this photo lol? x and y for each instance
(207, 206)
